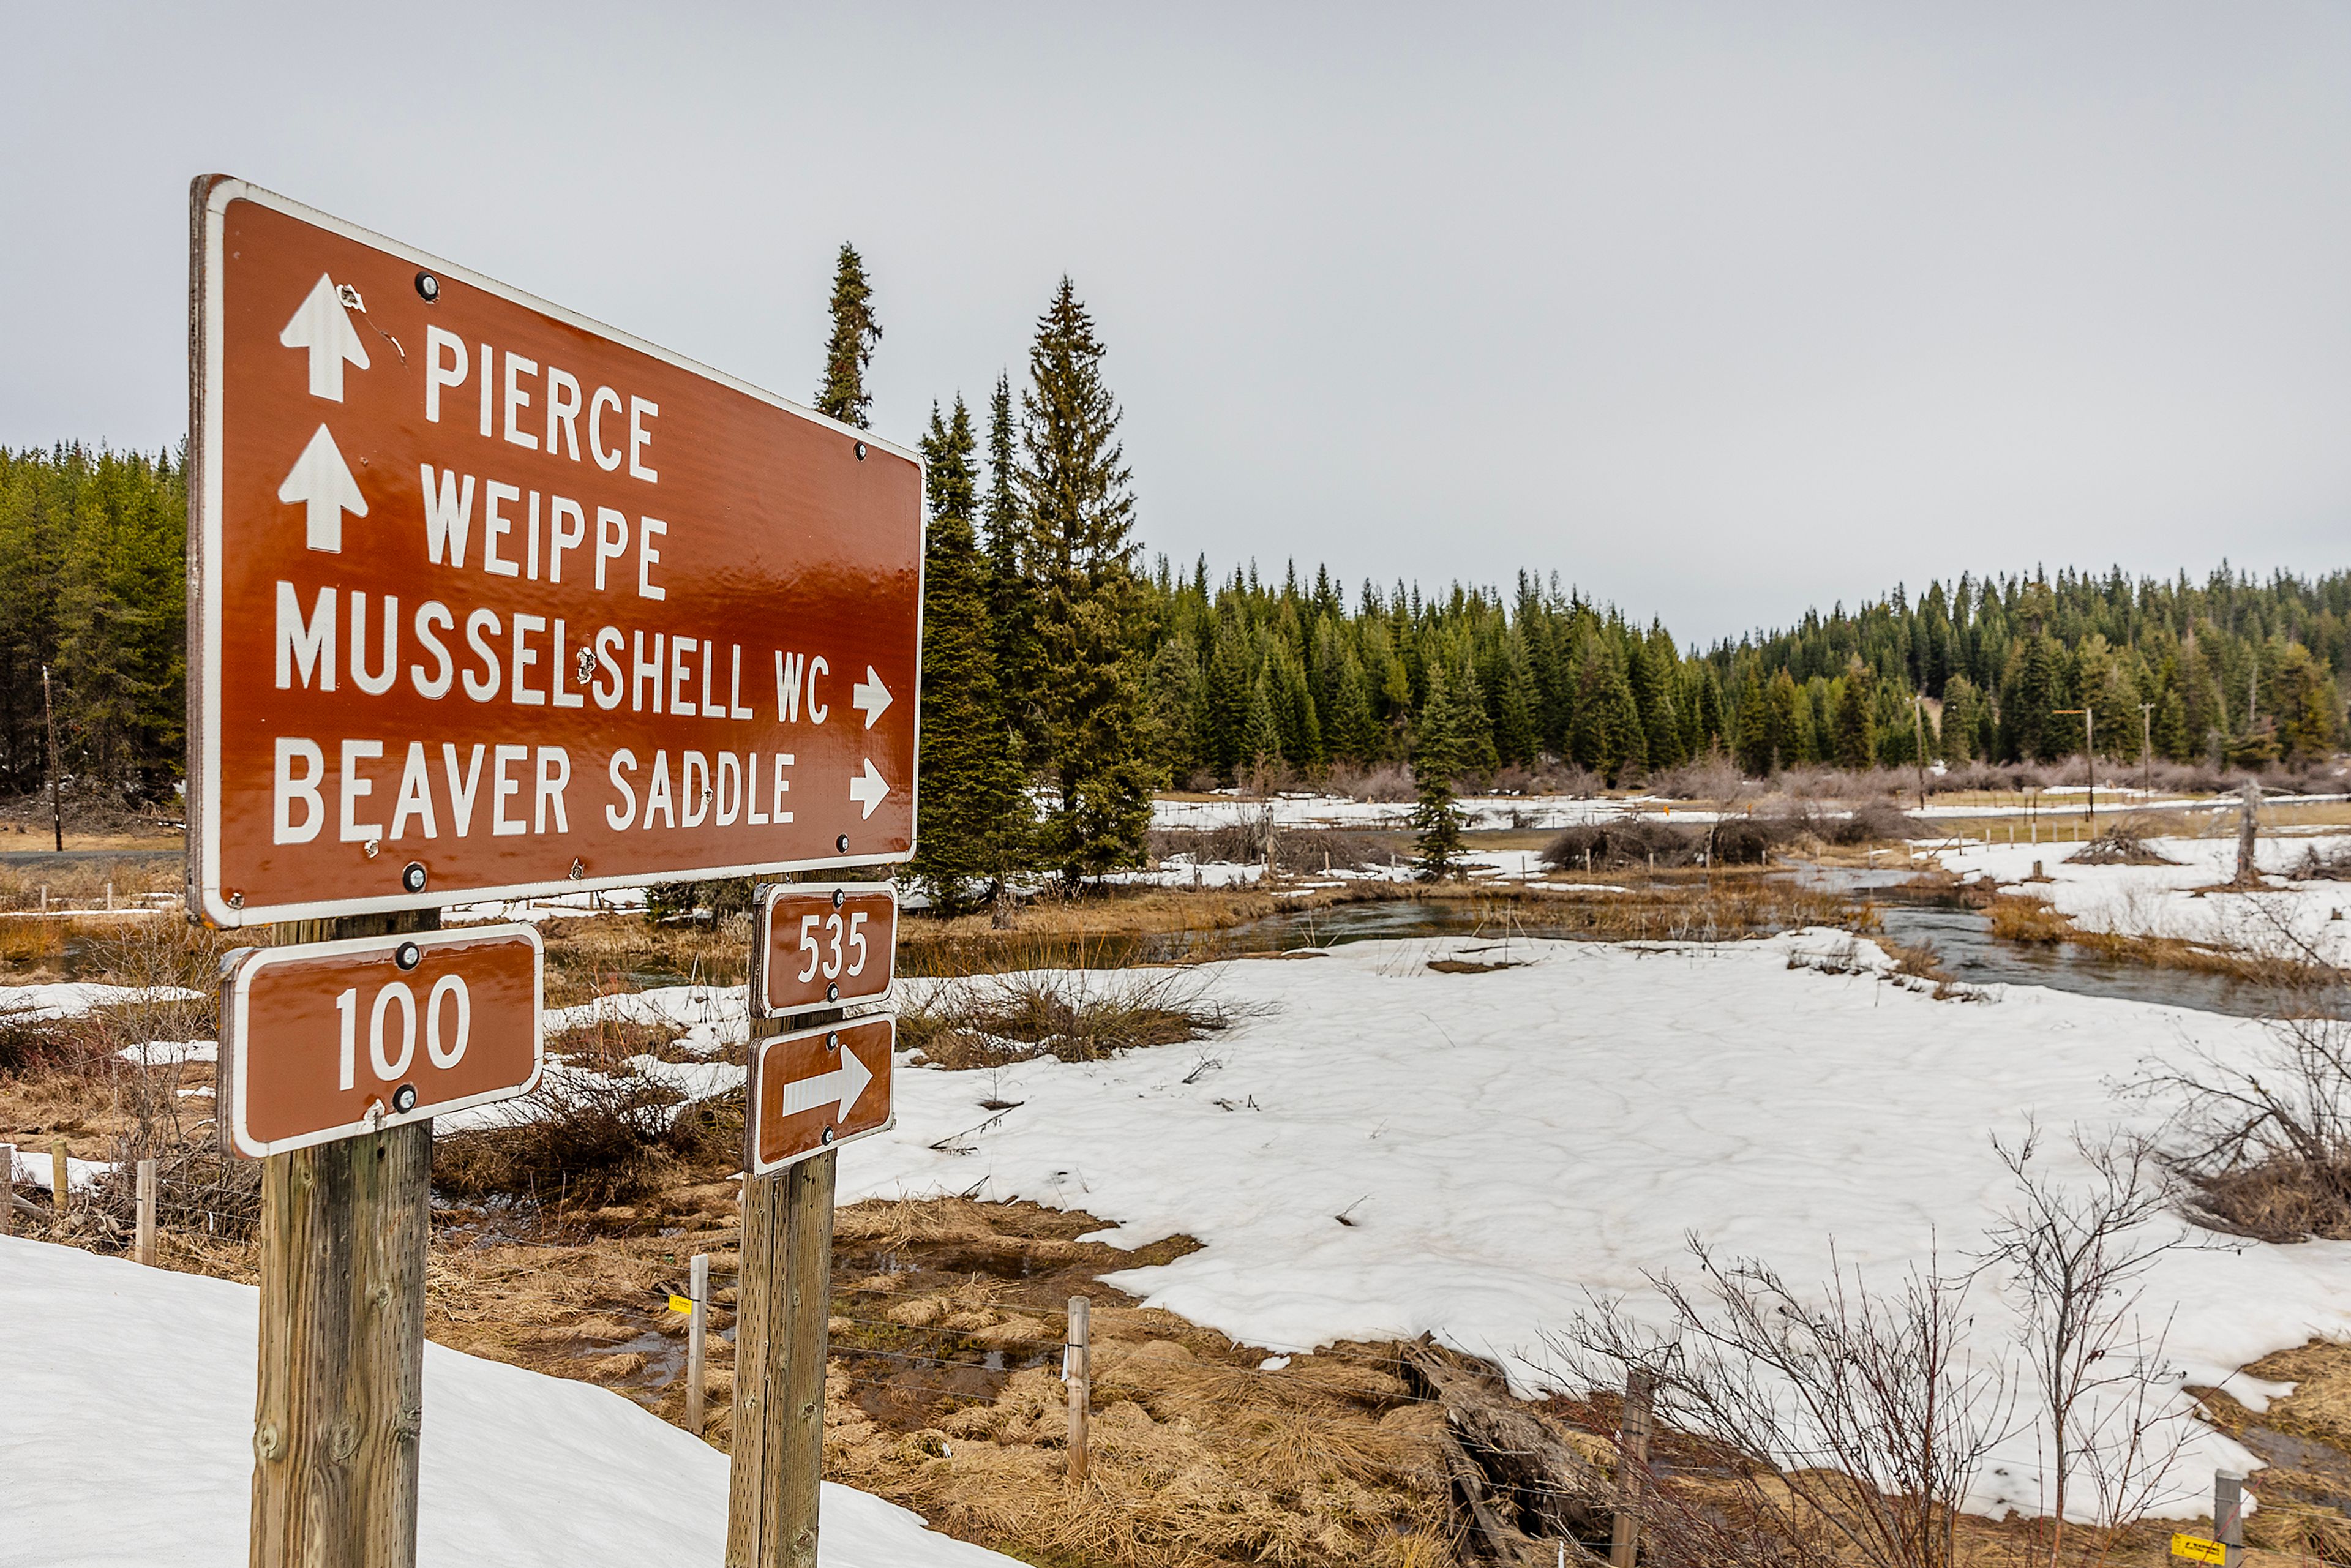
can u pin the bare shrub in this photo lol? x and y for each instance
(2074, 1255)
(2266, 1145)
(2125, 843)
(1626, 841)
(581, 1137)
(1300, 852)
(2334, 866)
(1076, 1015)
(1711, 778)
(1382, 781)
(2015, 918)
(1225, 844)
(1852, 1427)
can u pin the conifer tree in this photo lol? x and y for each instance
(850, 350)
(1079, 511)
(1436, 760)
(1855, 732)
(1260, 733)
(1011, 597)
(1754, 750)
(1353, 732)
(973, 810)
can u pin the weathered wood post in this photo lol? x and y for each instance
(2229, 1514)
(143, 1235)
(697, 1325)
(8, 1189)
(60, 1178)
(340, 1399)
(2249, 870)
(1632, 1465)
(1078, 1374)
(782, 1307)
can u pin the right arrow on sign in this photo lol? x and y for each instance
(322, 482)
(840, 1088)
(867, 788)
(321, 325)
(870, 696)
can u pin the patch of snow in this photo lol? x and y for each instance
(78, 998)
(169, 1053)
(40, 1170)
(155, 1467)
(1503, 1143)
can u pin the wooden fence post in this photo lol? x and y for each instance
(1077, 1373)
(339, 1401)
(2249, 870)
(1632, 1465)
(60, 1178)
(698, 1292)
(2229, 1514)
(8, 1189)
(143, 1247)
(782, 1304)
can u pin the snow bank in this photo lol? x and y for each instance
(2158, 899)
(126, 1422)
(1503, 1143)
(77, 998)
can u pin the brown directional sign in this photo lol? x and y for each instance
(328, 1040)
(817, 1089)
(818, 944)
(493, 601)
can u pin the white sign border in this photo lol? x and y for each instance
(209, 198)
(763, 912)
(755, 1058)
(236, 992)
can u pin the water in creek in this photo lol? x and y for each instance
(1960, 937)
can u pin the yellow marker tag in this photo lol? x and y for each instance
(2196, 1549)
(682, 1304)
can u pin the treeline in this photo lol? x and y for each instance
(2232, 671)
(1064, 681)
(93, 591)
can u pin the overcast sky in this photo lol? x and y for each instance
(1717, 310)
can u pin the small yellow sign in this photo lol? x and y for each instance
(2196, 1549)
(684, 1304)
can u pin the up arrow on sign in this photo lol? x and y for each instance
(321, 326)
(321, 481)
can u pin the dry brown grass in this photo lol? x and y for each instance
(1076, 1015)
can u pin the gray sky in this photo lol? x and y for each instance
(1719, 310)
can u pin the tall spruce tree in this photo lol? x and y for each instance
(1079, 505)
(1438, 742)
(850, 350)
(1011, 596)
(974, 813)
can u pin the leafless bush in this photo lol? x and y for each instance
(2334, 866)
(1077, 1015)
(2073, 1254)
(2125, 843)
(1385, 781)
(2266, 1145)
(1550, 776)
(581, 1137)
(1711, 778)
(1852, 1425)
(1228, 842)
(1626, 841)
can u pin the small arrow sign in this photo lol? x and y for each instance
(870, 696)
(867, 788)
(840, 1087)
(321, 325)
(321, 481)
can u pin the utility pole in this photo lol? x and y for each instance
(57, 812)
(1918, 717)
(2089, 755)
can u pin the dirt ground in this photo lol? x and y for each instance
(948, 1316)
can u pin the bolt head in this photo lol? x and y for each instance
(408, 954)
(838, 896)
(412, 876)
(833, 1042)
(861, 452)
(841, 843)
(403, 1099)
(428, 288)
(832, 993)
(828, 1134)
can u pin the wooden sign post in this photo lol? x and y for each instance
(811, 1089)
(490, 601)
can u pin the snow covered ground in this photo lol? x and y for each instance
(1478, 811)
(1502, 1143)
(2161, 900)
(126, 1440)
